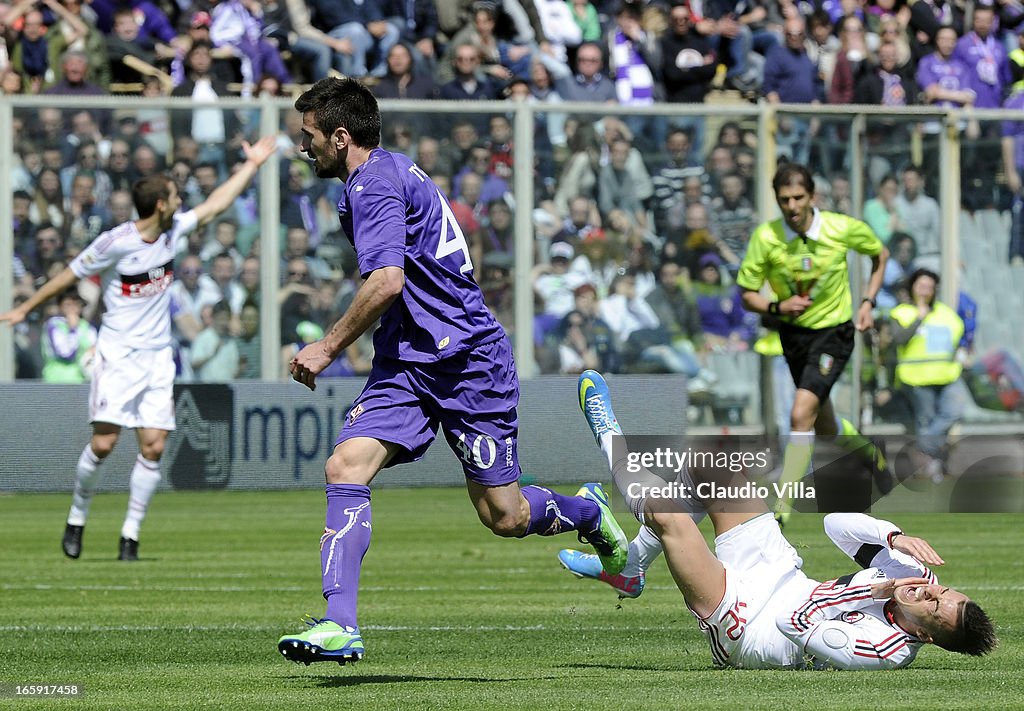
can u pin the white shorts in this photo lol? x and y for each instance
(133, 387)
(762, 576)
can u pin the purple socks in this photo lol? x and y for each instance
(342, 547)
(552, 513)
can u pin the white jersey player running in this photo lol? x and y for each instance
(755, 605)
(133, 376)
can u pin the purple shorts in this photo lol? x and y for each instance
(472, 395)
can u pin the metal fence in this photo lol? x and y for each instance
(852, 146)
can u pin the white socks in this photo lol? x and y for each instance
(86, 480)
(142, 485)
(643, 551)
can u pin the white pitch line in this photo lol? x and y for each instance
(277, 629)
(231, 588)
(365, 588)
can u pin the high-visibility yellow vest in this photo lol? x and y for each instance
(1017, 57)
(929, 358)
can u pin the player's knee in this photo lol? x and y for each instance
(666, 521)
(803, 419)
(152, 450)
(506, 525)
(103, 445)
(344, 468)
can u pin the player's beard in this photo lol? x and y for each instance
(328, 164)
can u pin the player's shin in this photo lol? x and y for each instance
(142, 485)
(342, 547)
(552, 513)
(87, 478)
(795, 463)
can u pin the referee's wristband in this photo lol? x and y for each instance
(773, 308)
(869, 300)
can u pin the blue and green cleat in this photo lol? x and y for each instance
(608, 538)
(587, 565)
(596, 403)
(324, 641)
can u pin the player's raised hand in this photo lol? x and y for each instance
(309, 363)
(917, 547)
(261, 150)
(887, 588)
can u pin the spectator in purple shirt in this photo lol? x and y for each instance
(944, 81)
(989, 66)
(153, 23)
(723, 319)
(985, 56)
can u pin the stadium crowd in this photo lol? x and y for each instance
(640, 223)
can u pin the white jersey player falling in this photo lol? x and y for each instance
(773, 616)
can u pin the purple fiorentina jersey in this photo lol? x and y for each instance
(951, 75)
(396, 217)
(988, 67)
(1016, 128)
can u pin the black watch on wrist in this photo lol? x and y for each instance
(869, 300)
(773, 308)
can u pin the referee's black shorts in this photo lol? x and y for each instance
(817, 357)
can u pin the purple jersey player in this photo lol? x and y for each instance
(440, 360)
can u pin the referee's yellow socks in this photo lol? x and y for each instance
(853, 441)
(795, 463)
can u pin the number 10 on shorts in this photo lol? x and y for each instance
(481, 453)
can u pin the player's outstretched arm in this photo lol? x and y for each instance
(372, 299)
(864, 538)
(221, 198)
(46, 292)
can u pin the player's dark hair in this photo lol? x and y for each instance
(790, 173)
(147, 191)
(343, 103)
(975, 634)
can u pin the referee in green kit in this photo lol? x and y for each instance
(803, 258)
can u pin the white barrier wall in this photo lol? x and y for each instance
(251, 435)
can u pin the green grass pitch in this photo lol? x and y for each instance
(453, 617)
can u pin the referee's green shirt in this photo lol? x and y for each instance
(814, 267)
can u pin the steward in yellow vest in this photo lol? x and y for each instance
(927, 334)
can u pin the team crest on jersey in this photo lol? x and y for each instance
(805, 264)
(825, 364)
(443, 342)
(853, 616)
(355, 412)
